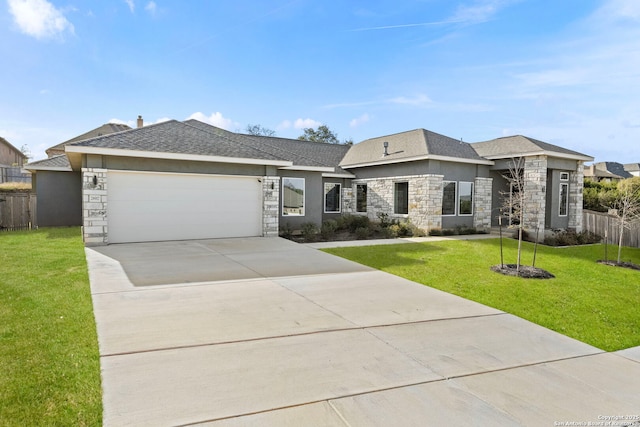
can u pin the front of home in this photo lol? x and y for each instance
(190, 180)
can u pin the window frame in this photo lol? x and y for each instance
(304, 195)
(563, 197)
(339, 192)
(564, 176)
(396, 193)
(455, 197)
(358, 186)
(459, 198)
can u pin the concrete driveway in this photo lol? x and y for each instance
(264, 331)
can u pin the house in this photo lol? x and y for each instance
(190, 180)
(632, 168)
(553, 180)
(58, 188)
(608, 171)
(11, 162)
(591, 172)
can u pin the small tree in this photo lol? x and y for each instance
(259, 130)
(627, 207)
(514, 200)
(322, 134)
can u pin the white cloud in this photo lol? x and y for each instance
(285, 124)
(480, 11)
(359, 120)
(420, 99)
(131, 4)
(151, 7)
(215, 119)
(39, 18)
(306, 123)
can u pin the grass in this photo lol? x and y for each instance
(49, 361)
(591, 302)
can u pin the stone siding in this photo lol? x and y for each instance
(425, 199)
(94, 207)
(348, 199)
(576, 184)
(535, 185)
(482, 203)
(270, 206)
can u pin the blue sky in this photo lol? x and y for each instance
(565, 72)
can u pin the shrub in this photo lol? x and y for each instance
(286, 231)
(328, 229)
(384, 219)
(310, 231)
(363, 233)
(571, 238)
(388, 233)
(435, 232)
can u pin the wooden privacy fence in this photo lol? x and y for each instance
(603, 224)
(17, 211)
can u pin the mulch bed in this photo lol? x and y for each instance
(526, 271)
(623, 264)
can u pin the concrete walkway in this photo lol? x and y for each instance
(236, 332)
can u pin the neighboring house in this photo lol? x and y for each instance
(59, 188)
(632, 168)
(11, 162)
(190, 180)
(607, 171)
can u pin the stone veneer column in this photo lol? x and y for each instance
(348, 199)
(576, 184)
(433, 205)
(94, 206)
(535, 186)
(482, 203)
(270, 206)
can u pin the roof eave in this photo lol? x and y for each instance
(547, 153)
(308, 168)
(120, 152)
(339, 175)
(417, 158)
(36, 168)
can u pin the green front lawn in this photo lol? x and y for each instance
(49, 361)
(591, 302)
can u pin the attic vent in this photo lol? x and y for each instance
(386, 148)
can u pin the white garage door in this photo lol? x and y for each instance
(148, 206)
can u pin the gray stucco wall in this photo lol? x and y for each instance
(178, 166)
(553, 218)
(313, 195)
(450, 170)
(59, 198)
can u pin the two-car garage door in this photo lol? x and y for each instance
(150, 206)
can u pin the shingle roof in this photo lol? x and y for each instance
(615, 168)
(180, 138)
(632, 167)
(300, 153)
(105, 129)
(406, 146)
(519, 145)
(59, 161)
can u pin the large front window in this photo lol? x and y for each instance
(361, 198)
(293, 196)
(465, 198)
(401, 198)
(564, 199)
(331, 197)
(449, 198)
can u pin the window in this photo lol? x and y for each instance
(564, 199)
(465, 198)
(331, 197)
(449, 198)
(401, 198)
(564, 176)
(293, 196)
(361, 198)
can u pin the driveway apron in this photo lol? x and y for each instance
(264, 331)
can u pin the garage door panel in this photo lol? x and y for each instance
(161, 206)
